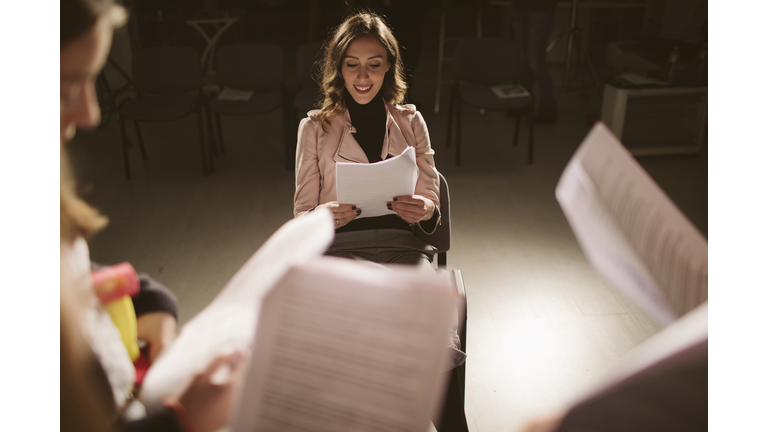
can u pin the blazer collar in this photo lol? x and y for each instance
(348, 149)
(395, 142)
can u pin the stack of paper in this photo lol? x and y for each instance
(371, 186)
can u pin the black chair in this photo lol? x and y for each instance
(307, 92)
(258, 68)
(441, 240)
(168, 82)
(480, 65)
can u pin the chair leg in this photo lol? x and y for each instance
(141, 140)
(458, 133)
(219, 133)
(211, 142)
(530, 141)
(442, 260)
(453, 418)
(450, 118)
(517, 131)
(206, 160)
(124, 137)
(289, 143)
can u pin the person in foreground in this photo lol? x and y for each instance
(360, 121)
(97, 391)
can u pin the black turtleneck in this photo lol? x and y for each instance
(370, 122)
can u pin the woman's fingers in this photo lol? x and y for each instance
(345, 213)
(411, 208)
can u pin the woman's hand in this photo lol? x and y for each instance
(412, 209)
(548, 423)
(208, 398)
(157, 329)
(342, 213)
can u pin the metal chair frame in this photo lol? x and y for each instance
(441, 239)
(462, 82)
(147, 81)
(257, 86)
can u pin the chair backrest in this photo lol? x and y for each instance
(307, 68)
(441, 238)
(167, 70)
(250, 66)
(487, 61)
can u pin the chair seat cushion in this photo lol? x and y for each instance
(481, 96)
(306, 99)
(257, 104)
(160, 108)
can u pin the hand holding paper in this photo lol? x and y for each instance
(342, 213)
(208, 398)
(413, 208)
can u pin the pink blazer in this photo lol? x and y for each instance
(317, 152)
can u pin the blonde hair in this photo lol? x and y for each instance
(358, 25)
(78, 16)
(77, 217)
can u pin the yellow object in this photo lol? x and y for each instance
(124, 317)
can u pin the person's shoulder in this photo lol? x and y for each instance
(310, 125)
(311, 121)
(314, 115)
(408, 114)
(405, 109)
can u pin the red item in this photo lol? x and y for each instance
(115, 281)
(142, 366)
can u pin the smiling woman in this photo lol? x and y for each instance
(365, 65)
(361, 121)
(363, 85)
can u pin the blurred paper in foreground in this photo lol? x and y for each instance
(335, 344)
(229, 321)
(630, 231)
(639, 241)
(343, 346)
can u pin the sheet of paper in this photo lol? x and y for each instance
(371, 186)
(230, 94)
(636, 79)
(509, 91)
(631, 231)
(344, 346)
(686, 332)
(229, 320)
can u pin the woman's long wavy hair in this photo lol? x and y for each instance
(358, 25)
(77, 218)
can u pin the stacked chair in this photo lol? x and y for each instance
(258, 68)
(481, 64)
(308, 94)
(168, 83)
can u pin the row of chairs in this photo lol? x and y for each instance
(169, 85)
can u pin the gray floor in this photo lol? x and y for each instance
(542, 324)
